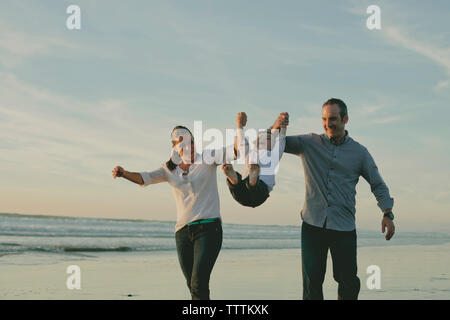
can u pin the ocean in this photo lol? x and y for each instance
(36, 233)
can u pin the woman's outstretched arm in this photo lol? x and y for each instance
(132, 176)
(142, 178)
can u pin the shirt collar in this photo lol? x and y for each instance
(333, 141)
(197, 157)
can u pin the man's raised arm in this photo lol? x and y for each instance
(293, 143)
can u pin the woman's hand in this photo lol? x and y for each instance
(241, 120)
(118, 172)
(132, 176)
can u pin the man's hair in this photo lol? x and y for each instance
(340, 103)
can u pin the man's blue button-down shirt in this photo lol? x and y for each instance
(331, 174)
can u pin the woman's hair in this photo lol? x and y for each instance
(170, 164)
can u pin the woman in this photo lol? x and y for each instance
(198, 230)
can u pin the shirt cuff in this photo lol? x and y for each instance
(386, 204)
(146, 178)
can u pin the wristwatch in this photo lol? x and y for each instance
(389, 214)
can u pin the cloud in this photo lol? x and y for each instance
(370, 109)
(439, 55)
(44, 131)
(379, 109)
(387, 119)
(441, 85)
(406, 34)
(16, 46)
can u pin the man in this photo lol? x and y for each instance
(333, 163)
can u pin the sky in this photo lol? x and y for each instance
(76, 103)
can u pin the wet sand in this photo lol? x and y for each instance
(407, 272)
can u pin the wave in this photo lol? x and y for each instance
(60, 249)
(50, 217)
(31, 233)
(84, 235)
(94, 249)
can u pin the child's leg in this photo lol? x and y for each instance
(238, 190)
(253, 174)
(258, 193)
(230, 173)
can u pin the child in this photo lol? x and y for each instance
(252, 188)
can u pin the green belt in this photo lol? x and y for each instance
(202, 221)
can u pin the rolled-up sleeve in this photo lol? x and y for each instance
(295, 144)
(152, 177)
(380, 190)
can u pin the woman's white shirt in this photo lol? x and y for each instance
(196, 193)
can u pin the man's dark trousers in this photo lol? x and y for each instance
(342, 244)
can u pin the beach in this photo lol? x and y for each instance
(407, 272)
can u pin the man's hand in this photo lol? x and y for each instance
(241, 120)
(282, 121)
(387, 222)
